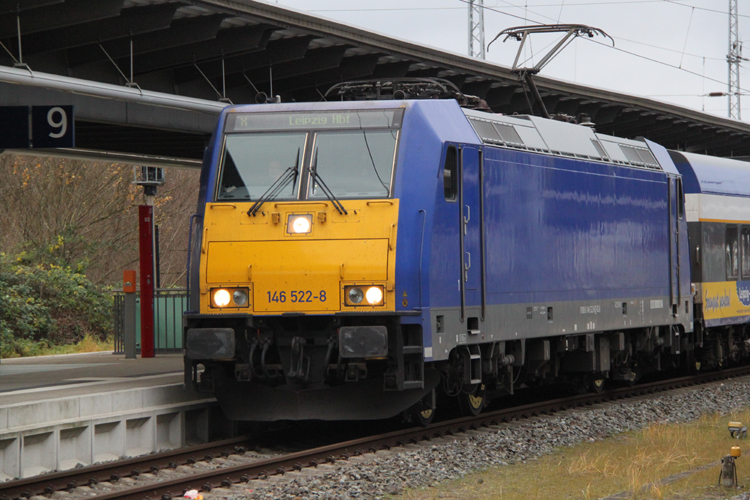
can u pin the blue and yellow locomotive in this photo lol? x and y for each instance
(356, 259)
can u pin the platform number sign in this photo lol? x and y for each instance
(24, 127)
(52, 127)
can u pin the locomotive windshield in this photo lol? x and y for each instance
(354, 164)
(352, 152)
(253, 162)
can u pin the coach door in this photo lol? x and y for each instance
(675, 209)
(470, 199)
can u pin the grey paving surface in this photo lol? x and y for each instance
(49, 377)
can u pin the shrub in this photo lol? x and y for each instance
(46, 304)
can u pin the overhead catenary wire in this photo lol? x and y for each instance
(566, 3)
(387, 9)
(621, 2)
(611, 47)
(706, 9)
(658, 62)
(619, 38)
(687, 36)
(395, 9)
(562, 3)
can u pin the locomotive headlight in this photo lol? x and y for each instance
(221, 297)
(240, 298)
(230, 297)
(364, 295)
(299, 224)
(355, 295)
(374, 295)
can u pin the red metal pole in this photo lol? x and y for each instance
(146, 250)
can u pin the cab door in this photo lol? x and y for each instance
(676, 212)
(470, 197)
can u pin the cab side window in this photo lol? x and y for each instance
(450, 174)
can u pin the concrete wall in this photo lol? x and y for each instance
(64, 433)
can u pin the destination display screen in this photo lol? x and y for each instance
(294, 120)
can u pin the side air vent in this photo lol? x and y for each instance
(486, 131)
(508, 133)
(639, 156)
(631, 154)
(647, 157)
(549, 137)
(497, 133)
(599, 149)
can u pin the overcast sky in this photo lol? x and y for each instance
(687, 40)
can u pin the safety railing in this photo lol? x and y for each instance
(169, 304)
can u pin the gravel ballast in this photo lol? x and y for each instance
(428, 464)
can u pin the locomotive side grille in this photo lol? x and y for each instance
(559, 139)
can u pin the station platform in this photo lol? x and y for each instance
(42, 377)
(59, 412)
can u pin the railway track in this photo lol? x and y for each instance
(227, 476)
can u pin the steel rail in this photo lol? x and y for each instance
(261, 469)
(89, 475)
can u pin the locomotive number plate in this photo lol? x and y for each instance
(296, 296)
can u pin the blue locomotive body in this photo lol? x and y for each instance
(526, 251)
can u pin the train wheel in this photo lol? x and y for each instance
(596, 382)
(418, 414)
(473, 403)
(693, 364)
(424, 417)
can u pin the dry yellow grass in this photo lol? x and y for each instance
(93, 344)
(632, 462)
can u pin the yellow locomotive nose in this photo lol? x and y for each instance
(300, 257)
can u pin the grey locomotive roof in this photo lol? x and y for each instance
(558, 138)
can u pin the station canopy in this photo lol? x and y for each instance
(149, 77)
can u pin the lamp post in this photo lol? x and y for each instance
(150, 178)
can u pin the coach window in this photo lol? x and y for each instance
(450, 174)
(732, 252)
(680, 200)
(745, 244)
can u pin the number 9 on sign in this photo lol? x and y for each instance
(57, 119)
(52, 127)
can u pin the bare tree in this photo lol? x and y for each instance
(84, 215)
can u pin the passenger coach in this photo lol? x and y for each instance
(717, 200)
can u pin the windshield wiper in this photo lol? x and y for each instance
(278, 185)
(315, 176)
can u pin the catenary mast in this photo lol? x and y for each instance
(476, 28)
(733, 59)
